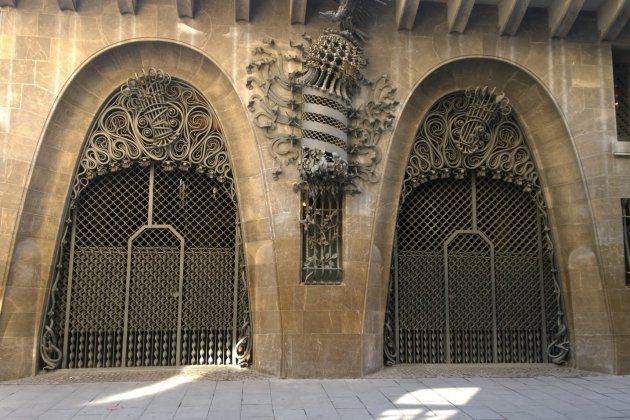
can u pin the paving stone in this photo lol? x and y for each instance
(58, 414)
(347, 402)
(192, 412)
(257, 410)
(353, 413)
(481, 413)
(126, 413)
(156, 416)
(284, 414)
(224, 415)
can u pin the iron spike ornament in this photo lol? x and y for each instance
(311, 105)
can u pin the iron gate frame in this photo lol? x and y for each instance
(447, 297)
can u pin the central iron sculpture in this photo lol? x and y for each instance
(312, 107)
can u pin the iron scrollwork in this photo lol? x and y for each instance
(159, 128)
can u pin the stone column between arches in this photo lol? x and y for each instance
(58, 151)
(564, 190)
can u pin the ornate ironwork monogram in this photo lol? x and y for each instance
(473, 278)
(158, 120)
(310, 105)
(150, 269)
(471, 129)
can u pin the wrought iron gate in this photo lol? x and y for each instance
(473, 278)
(150, 267)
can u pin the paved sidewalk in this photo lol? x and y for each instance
(197, 394)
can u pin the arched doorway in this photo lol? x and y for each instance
(150, 269)
(473, 276)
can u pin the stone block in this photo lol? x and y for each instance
(293, 322)
(322, 356)
(18, 71)
(19, 324)
(590, 324)
(593, 353)
(622, 348)
(257, 230)
(327, 298)
(32, 48)
(372, 353)
(292, 297)
(15, 357)
(267, 347)
(266, 322)
(264, 299)
(262, 275)
(621, 322)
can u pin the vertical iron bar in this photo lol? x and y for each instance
(474, 200)
(180, 298)
(127, 287)
(495, 357)
(541, 276)
(64, 362)
(237, 272)
(395, 280)
(151, 186)
(321, 248)
(447, 332)
(625, 209)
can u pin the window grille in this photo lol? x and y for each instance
(621, 76)
(625, 206)
(321, 237)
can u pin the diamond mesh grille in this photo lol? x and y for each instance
(324, 119)
(621, 71)
(109, 212)
(320, 100)
(317, 135)
(510, 219)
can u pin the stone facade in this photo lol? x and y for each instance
(57, 68)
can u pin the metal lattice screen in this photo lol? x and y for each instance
(472, 275)
(621, 75)
(321, 238)
(152, 267)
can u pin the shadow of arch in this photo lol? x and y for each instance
(561, 178)
(39, 221)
